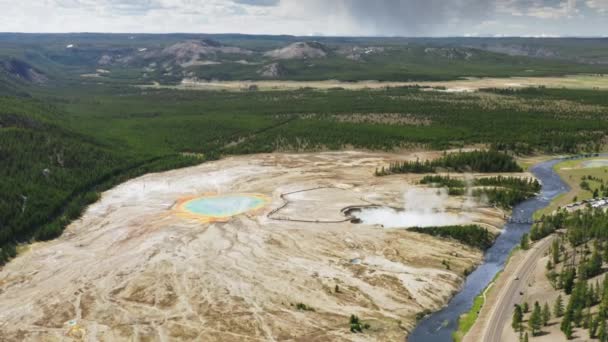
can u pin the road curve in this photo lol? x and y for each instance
(509, 295)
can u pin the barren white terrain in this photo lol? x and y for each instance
(134, 268)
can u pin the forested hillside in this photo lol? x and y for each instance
(49, 174)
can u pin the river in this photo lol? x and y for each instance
(440, 326)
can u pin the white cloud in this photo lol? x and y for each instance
(599, 5)
(330, 17)
(541, 9)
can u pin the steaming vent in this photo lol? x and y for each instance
(421, 208)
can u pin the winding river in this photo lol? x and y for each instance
(440, 326)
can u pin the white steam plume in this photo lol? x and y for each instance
(422, 208)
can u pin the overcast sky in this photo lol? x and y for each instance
(311, 17)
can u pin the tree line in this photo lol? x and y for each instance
(504, 192)
(470, 235)
(486, 161)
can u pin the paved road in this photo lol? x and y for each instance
(509, 295)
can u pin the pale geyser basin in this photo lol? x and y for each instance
(590, 164)
(222, 207)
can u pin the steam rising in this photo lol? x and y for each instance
(422, 208)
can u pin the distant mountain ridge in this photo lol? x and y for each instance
(171, 58)
(299, 50)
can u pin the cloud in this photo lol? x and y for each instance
(258, 2)
(329, 17)
(600, 5)
(118, 7)
(394, 17)
(542, 9)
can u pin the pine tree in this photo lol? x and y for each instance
(590, 301)
(546, 315)
(568, 331)
(526, 337)
(535, 322)
(521, 335)
(578, 316)
(525, 242)
(525, 307)
(602, 334)
(558, 307)
(594, 326)
(569, 276)
(518, 317)
(555, 251)
(594, 266)
(566, 322)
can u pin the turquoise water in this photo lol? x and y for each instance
(224, 206)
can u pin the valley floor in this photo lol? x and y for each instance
(134, 268)
(596, 82)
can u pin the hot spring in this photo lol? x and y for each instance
(421, 208)
(222, 207)
(595, 163)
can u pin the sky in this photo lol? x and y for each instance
(312, 17)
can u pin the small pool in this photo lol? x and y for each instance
(222, 207)
(595, 163)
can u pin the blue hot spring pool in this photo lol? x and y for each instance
(224, 206)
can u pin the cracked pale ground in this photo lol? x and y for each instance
(134, 269)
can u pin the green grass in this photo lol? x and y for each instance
(572, 173)
(466, 321)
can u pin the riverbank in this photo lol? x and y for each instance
(574, 172)
(440, 326)
(495, 314)
(468, 320)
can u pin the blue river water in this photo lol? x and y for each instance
(439, 326)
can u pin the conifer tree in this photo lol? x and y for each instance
(535, 322)
(594, 266)
(555, 251)
(602, 334)
(546, 315)
(595, 322)
(568, 331)
(566, 323)
(525, 242)
(518, 317)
